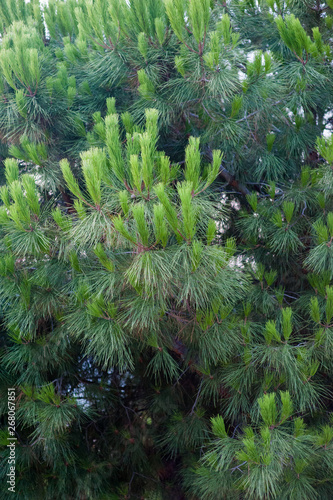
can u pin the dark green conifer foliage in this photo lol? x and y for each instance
(166, 268)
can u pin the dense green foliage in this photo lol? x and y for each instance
(166, 229)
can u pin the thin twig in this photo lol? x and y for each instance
(196, 399)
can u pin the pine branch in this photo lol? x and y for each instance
(229, 177)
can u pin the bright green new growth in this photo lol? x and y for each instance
(146, 169)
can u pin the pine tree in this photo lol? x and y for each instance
(166, 226)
